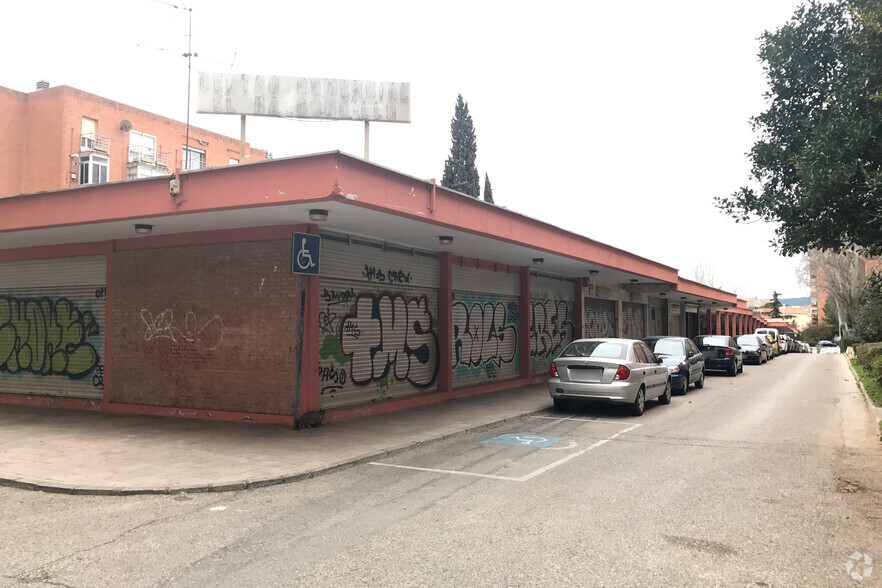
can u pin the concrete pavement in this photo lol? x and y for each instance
(103, 453)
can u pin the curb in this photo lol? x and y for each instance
(247, 484)
(875, 411)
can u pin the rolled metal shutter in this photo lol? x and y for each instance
(378, 319)
(600, 318)
(552, 304)
(633, 323)
(485, 322)
(52, 321)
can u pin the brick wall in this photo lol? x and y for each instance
(209, 327)
(42, 129)
(12, 138)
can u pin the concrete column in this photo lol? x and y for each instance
(524, 320)
(578, 309)
(445, 324)
(719, 329)
(725, 324)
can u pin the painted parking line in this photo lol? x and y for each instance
(525, 478)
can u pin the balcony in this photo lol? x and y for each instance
(149, 157)
(94, 142)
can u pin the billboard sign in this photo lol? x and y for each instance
(318, 98)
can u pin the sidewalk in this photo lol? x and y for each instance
(100, 453)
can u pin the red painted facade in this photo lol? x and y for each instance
(203, 315)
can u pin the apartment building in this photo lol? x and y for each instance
(61, 137)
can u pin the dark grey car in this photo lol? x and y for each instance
(683, 359)
(721, 353)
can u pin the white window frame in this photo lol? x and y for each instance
(94, 169)
(191, 155)
(140, 152)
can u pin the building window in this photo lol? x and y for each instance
(142, 148)
(93, 169)
(193, 158)
(234, 161)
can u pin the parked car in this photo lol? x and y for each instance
(721, 353)
(827, 347)
(775, 338)
(773, 344)
(683, 359)
(754, 348)
(608, 370)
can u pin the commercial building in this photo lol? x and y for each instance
(175, 295)
(61, 137)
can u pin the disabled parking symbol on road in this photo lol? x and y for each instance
(520, 440)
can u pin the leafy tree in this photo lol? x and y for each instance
(818, 160)
(488, 191)
(775, 305)
(460, 171)
(831, 313)
(815, 333)
(868, 321)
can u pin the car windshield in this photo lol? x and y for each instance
(668, 347)
(748, 340)
(604, 349)
(718, 341)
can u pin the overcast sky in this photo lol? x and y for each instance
(618, 121)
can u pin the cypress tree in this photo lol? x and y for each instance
(460, 171)
(488, 191)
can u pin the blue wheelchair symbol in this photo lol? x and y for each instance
(519, 440)
(305, 250)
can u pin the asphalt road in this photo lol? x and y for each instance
(773, 478)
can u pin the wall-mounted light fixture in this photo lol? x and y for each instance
(682, 298)
(538, 260)
(633, 280)
(662, 294)
(445, 239)
(318, 215)
(593, 272)
(143, 229)
(701, 299)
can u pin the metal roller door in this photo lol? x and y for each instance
(551, 320)
(485, 326)
(52, 324)
(600, 318)
(378, 320)
(633, 320)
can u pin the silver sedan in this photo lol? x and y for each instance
(609, 370)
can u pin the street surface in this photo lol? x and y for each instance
(773, 478)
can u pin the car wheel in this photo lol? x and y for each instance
(666, 397)
(741, 368)
(733, 371)
(639, 403)
(700, 383)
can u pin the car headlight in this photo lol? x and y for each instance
(673, 369)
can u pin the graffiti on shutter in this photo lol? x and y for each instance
(600, 318)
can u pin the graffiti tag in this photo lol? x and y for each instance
(374, 274)
(483, 335)
(46, 337)
(600, 322)
(338, 296)
(550, 328)
(209, 336)
(390, 333)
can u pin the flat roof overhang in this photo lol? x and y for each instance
(362, 199)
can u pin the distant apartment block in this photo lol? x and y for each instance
(61, 137)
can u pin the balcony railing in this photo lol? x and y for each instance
(151, 157)
(95, 142)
